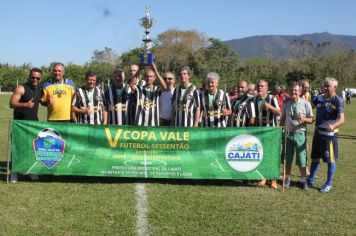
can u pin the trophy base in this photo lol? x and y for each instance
(146, 59)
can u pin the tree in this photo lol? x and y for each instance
(105, 56)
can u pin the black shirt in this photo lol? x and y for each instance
(24, 113)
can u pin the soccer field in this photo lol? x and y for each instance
(64, 205)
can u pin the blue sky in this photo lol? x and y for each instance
(42, 31)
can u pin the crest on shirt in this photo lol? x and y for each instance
(49, 147)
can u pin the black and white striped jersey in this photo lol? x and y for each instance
(184, 103)
(83, 98)
(243, 108)
(118, 105)
(265, 117)
(147, 105)
(212, 108)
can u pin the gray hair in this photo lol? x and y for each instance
(212, 76)
(332, 80)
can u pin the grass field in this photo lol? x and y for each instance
(109, 206)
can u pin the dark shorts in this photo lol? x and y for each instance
(325, 148)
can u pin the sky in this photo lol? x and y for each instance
(39, 32)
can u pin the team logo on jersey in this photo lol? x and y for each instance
(49, 147)
(244, 153)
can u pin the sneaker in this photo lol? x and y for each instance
(287, 183)
(13, 178)
(34, 177)
(325, 188)
(304, 185)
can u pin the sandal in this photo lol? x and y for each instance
(261, 183)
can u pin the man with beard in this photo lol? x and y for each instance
(243, 107)
(24, 100)
(267, 111)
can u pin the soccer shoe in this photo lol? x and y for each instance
(261, 183)
(287, 183)
(274, 184)
(34, 177)
(325, 188)
(13, 178)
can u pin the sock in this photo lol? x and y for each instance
(331, 172)
(303, 179)
(313, 171)
(287, 176)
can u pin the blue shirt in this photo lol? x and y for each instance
(327, 110)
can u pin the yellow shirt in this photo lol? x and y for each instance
(62, 93)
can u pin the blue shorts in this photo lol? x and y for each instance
(325, 147)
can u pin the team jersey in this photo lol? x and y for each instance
(94, 99)
(243, 109)
(185, 103)
(118, 105)
(63, 94)
(211, 108)
(147, 105)
(265, 117)
(327, 112)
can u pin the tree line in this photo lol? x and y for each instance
(175, 48)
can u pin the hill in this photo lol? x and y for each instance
(281, 46)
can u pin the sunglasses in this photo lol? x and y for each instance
(168, 78)
(36, 78)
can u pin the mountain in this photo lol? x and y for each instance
(282, 46)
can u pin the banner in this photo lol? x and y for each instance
(145, 152)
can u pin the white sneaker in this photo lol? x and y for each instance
(34, 177)
(13, 178)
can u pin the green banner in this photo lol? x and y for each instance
(145, 152)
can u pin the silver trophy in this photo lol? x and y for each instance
(146, 57)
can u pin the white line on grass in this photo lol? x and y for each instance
(72, 161)
(141, 210)
(29, 170)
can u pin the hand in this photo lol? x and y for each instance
(50, 100)
(90, 110)
(330, 128)
(30, 104)
(267, 106)
(300, 118)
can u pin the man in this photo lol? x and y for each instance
(267, 111)
(147, 98)
(243, 108)
(186, 110)
(296, 114)
(135, 73)
(165, 100)
(348, 96)
(305, 85)
(24, 100)
(88, 104)
(214, 103)
(329, 117)
(58, 93)
(118, 101)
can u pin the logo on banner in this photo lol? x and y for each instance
(49, 147)
(244, 153)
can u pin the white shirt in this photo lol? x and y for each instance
(165, 105)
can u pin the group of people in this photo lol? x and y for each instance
(139, 101)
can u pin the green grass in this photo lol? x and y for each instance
(106, 206)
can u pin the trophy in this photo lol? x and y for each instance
(146, 57)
